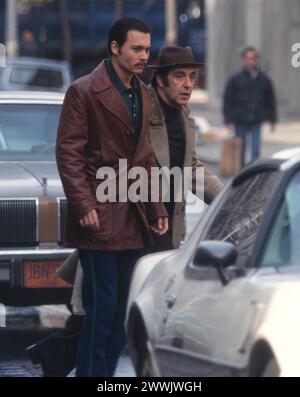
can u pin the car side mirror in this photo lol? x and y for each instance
(218, 254)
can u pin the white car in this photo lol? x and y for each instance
(35, 74)
(227, 303)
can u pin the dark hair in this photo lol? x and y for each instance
(249, 49)
(120, 28)
(163, 73)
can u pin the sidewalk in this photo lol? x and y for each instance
(286, 135)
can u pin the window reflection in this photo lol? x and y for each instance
(239, 219)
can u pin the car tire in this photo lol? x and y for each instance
(271, 369)
(147, 366)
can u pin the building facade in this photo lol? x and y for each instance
(272, 26)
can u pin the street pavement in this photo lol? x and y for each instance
(124, 368)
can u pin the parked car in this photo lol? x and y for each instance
(227, 303)
(35, 74)
(32, 202)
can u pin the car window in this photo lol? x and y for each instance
(283, 248)
(28, 131)
(240, 215)
(36, 77)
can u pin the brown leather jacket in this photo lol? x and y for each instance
(95, 130)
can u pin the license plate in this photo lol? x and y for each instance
(42, 274)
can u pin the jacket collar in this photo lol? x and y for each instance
(159, 134)
(251, 73)
(111, 98)
(100, 78)
(157, 116)
(158, 131)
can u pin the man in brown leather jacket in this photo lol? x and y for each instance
(105, 119)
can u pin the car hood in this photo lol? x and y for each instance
(29, 179)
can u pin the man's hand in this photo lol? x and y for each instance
(91, 220)
(161, 227)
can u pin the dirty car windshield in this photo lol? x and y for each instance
(28, 131)
(36, 77)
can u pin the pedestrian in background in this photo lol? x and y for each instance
(28, 44)
(249, 101)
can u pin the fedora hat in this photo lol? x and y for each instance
(172, 56)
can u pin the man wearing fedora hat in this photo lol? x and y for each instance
(172, 134)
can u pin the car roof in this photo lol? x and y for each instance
(31, 97)
(280, 161)
(35, 61)
(287, 154)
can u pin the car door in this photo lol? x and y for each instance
(277, 254)
(200, 322)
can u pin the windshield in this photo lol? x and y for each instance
(28, 132)
(36, 77)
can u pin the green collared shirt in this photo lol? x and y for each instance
(131, 96)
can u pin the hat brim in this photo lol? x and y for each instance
(175, 65)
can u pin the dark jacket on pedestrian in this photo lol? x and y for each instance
(249, 99)
(95, 130)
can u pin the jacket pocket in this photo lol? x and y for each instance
(105, 216)
(104, 211)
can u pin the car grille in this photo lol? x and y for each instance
(62, 210)
(18, 222)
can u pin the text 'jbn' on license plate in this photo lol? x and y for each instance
(42, 274)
